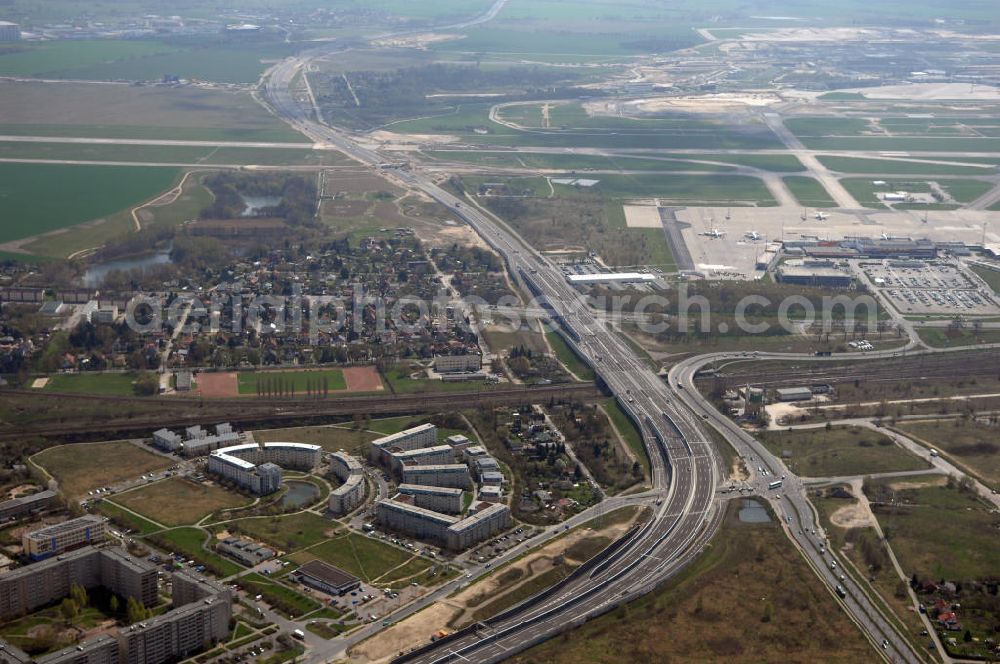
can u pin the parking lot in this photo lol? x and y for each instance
(931, 288)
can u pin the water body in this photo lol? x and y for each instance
(256, 203)
(299, 494)
(95, 274)
(753, 512)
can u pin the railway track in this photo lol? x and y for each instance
(238, 411)
(980, 365)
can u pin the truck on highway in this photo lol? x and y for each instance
(776, 484)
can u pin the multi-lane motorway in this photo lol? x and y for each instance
(686, 469)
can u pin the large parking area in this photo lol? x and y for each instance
(932, 288)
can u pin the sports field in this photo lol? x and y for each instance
(37, 198)
(81, 467)
(177, 502)
(290, 382)
(110, 384)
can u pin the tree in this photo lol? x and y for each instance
(79, 595)
(69, 610)
(114, 604)
(147, 384)
(967, 637)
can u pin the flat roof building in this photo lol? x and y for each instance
(52, 540)
(455, 475)
(351, 493)
(29, 504)
(326, 578)
(452, 363)
(477, 527)
(423, 456)
(414, 438)
(412, 520)
(437, 498)
(793, 394)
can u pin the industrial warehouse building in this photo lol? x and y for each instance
(351, 493)
(424, 435)
(454, 475)
(200, 617)
(437, 498)
(793, 394)
(814, 273)
(326, 578)
(66, 536)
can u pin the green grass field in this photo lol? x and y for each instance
(971, 444)
(937, 337)
(126, 518)
(991, 277)
(942, 533)
(839, 451)
(891, 167)
(288, 533)
(809, 192)
(80, 467)
(628, 431)
(278, 595)
(569, 358)
(160, 154)
(719, 188)
(329, 438)
(37, 198)
(189, 543)
(105, 384)
(178, 502)
(367, 558)
(298, 382)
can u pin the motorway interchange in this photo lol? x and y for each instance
(686, 468)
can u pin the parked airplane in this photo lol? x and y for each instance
(752, 235)
(715, 233)
(822, 216)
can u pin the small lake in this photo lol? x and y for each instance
(256, 203)
(299, 494)
(753, 512)
(95, 274)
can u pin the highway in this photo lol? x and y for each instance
(686, 469)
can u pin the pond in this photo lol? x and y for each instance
(299, 494)
(256, 203)
(753, 512)
(94, 276)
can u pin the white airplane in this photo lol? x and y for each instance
(714, 233)
(821, 216)
(752, 235)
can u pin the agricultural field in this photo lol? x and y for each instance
(141, 60)
(84, 194)
(838, 451)
(80, 467)
(690, 618)
(296, 382)
(177, 502)
(122, 111)
(969, 444)
(809, 192)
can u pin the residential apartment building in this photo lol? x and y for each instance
(15, 508)
(455, 475)
(424, 435)
(437, 498)
(351, 493)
